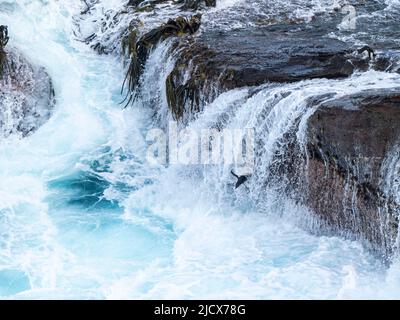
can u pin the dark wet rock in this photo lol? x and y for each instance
(3, 42)
(351, 148)
(139, 49)
(283, 47)
(210, 3)
(134, 3)
(239, 59)
(196, 4)
(26, 95)
(387, 61)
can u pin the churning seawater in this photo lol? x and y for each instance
(83, 215)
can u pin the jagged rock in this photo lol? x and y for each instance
(26, 96)
(139, 49)
(350, 145)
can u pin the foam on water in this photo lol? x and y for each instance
(82, 215)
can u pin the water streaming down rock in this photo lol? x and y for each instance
(331, 155)
(91, 189)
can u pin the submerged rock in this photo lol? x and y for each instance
(26, 96)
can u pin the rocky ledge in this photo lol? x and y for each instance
(352, 145)
(210, 61)
(250, 58)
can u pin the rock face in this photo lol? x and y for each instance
(26, 96)
(351, 145)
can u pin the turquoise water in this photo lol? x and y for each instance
(83, 215)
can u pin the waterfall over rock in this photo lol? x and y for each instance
(127, 190)
(341, 154)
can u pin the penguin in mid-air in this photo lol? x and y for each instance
(240, 179)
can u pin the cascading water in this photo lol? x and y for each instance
(84, 215)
